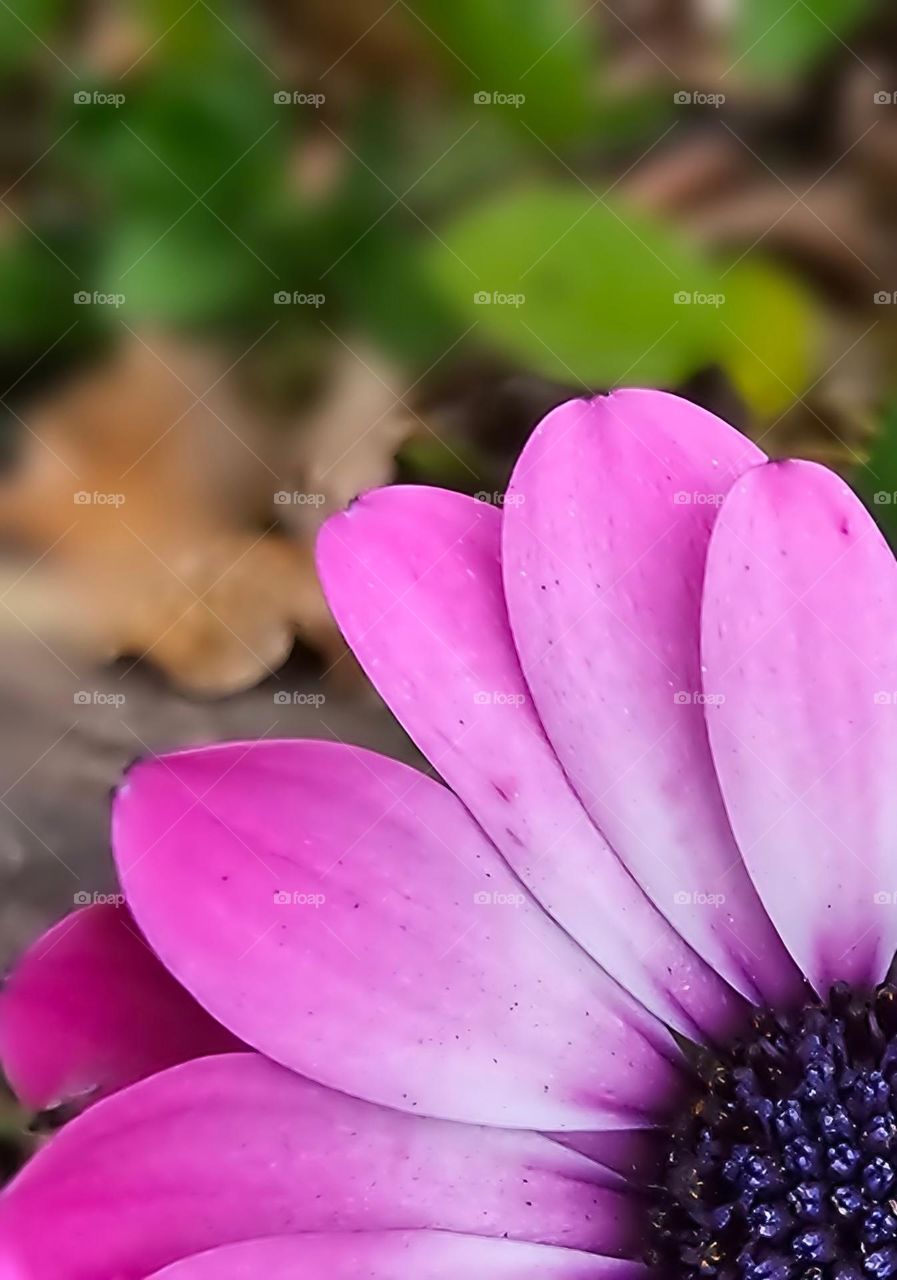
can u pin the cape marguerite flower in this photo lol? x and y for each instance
(606, 1000)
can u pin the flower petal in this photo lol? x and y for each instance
(605, 533)
(394, 1255)
(800, 642)
(414, 579)
(75, 1010)
(232, 1148)
(345, 916)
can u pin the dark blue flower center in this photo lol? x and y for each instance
(785, 1166)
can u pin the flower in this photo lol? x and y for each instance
(660, 685)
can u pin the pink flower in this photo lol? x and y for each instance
(660, 684)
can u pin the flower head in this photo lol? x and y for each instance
(607, 998)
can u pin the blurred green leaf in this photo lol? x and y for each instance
(28, 33)
(768, 334)
(876, 482)
(542, 51)
(774, 38)
(570, 285)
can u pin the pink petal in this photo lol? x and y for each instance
(345, 916)
(605, 534)
(800, 639)
(414, 579)
(233, 1147)
(89, 1009)
(394, 1255)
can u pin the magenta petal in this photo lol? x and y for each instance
(388, 1255)
(344, 915)
(606, 527)
(800, 644)
(89, 1009)
(233, 1147)
(414, 578)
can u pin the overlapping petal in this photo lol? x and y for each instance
(800, 647)
(89, 1009)
(414, 578)
(606, 527)
(233, 1148)
(344, 915)
(392, 1255)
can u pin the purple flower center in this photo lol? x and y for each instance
(785, 1166)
